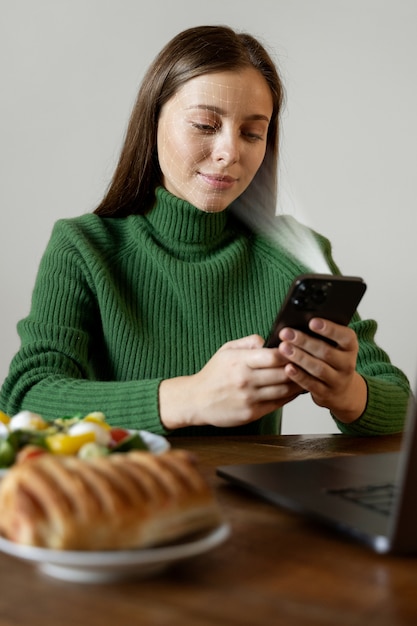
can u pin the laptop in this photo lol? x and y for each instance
(371, 497)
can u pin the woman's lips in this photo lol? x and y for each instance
(217, 181)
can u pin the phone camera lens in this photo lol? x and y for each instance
(299, 302)
(319, 293)
(300, 297)
(310, 296)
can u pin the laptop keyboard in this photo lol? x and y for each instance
(376, 497)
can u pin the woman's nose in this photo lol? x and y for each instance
(226, 148)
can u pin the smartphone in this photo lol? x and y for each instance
(329, 296)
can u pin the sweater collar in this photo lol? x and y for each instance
(178, 220)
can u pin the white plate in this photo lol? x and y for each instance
(156, 444)
(111, 565)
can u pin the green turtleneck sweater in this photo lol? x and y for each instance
(120, 304)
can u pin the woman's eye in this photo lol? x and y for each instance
(213, 128)
(206, 128)
(253, 136)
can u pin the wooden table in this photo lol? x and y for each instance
(276, 568)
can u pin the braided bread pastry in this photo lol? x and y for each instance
(130, 500)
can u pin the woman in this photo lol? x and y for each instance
(154, 308)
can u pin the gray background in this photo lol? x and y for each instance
(69, 75)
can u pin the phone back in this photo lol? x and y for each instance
(331, 297)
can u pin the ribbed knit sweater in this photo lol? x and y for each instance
(120, 304)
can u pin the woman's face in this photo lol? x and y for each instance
(212, 137)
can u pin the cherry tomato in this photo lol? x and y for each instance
(117, 435)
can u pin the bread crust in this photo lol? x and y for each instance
(124, 500)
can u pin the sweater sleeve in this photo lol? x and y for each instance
(52, 373)
(388, 387)
(389, 391)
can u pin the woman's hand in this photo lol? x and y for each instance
(327, 372)
(241, 382)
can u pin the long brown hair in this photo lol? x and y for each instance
(193, 52)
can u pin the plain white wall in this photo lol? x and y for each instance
(70, 70)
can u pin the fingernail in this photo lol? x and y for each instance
(316, 324)
(287, 334)
(287, 349)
